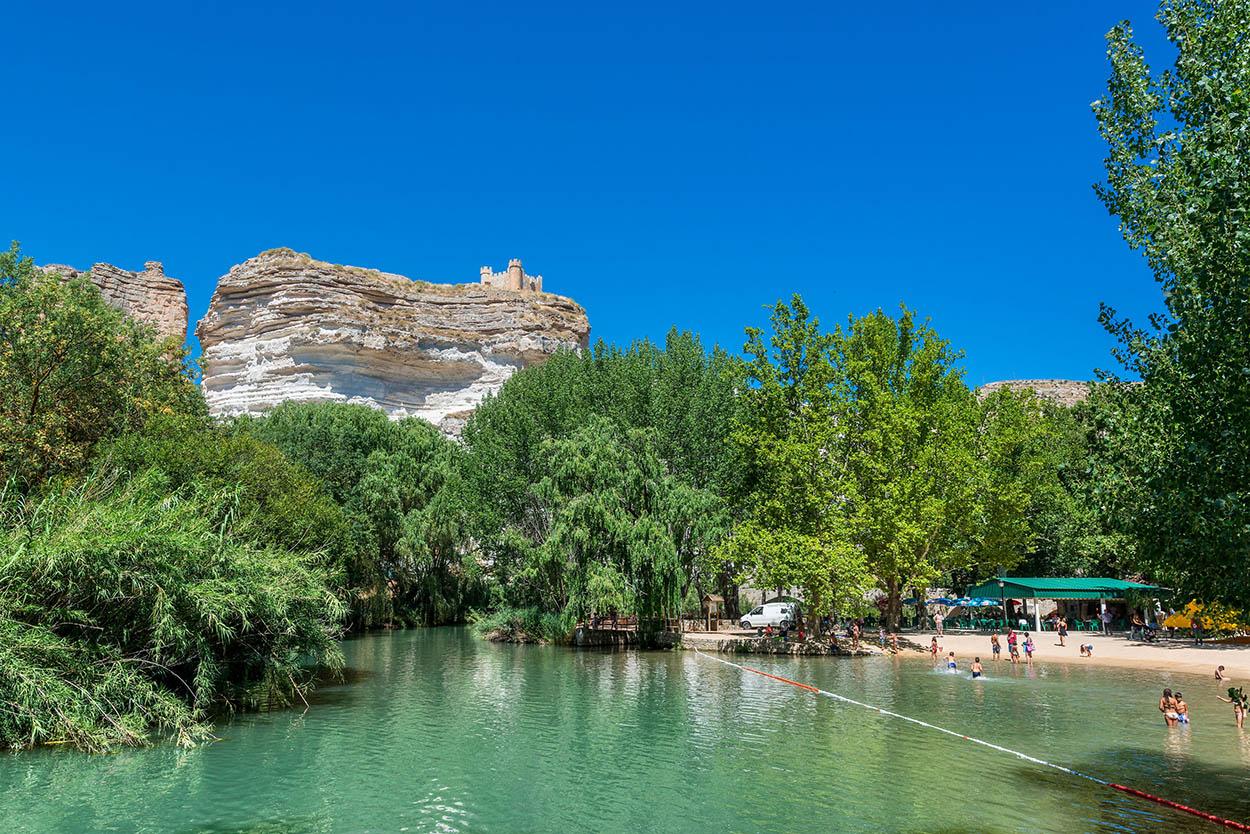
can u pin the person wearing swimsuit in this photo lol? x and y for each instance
(1241, 705)
(995, 646)
(977, 671)
(950, 662)
(1167, 706)
(934, 649)
(1182, 709)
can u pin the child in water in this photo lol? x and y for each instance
(934, 648)
(977, 671)
(1182, 709)
(950, 662)
(1028, 648)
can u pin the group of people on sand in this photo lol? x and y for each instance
(1176, 711)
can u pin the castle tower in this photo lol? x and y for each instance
(516, 275)
(486, 275)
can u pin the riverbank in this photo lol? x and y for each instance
(1115, 650)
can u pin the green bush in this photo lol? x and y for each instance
(127, 610)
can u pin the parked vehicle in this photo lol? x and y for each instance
(777, 614)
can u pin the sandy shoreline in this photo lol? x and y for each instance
(1177, 655)
(1115, 650)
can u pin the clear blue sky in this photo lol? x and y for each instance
(670, 163)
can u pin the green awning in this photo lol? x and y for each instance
(1063, 587)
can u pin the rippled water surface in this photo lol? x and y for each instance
(436, 731)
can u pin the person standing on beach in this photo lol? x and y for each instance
(938, 619)
(995, 646)
(1028, 648)
(934, 648)
(1062, 628)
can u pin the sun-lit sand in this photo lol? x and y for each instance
(1178, 655)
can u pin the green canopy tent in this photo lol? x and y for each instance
(1061, 587)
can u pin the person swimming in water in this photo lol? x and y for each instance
(977, 671)
(950, 662)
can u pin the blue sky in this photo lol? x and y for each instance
(661, 163)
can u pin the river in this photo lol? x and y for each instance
(435, 731)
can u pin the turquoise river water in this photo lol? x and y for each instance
(435, 731)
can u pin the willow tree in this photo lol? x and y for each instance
(1178, 180)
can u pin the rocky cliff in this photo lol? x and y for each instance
(283, 326)
(1067, 392)
(149, 296)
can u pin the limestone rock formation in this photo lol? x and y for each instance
(283, 326)
(1066, 392)
(150, 296)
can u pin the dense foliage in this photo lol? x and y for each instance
(601, 481)
(74, 371)
(409, 557)
(1178, 179)
(872, 465)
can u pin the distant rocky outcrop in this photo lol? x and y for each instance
(285, 327)
(150, 296)
(1066, 392)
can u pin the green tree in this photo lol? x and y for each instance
(797, 515)
(1178, 180)
(398, 484)
(74, 371)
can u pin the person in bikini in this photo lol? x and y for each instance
(977, 671)
(1063, 631)
(1167, 706)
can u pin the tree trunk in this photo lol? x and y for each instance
(893, 604)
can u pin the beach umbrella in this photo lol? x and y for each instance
(941, 601)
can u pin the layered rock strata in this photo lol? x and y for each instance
(150, 296)
(1066, 392)
(285, 327)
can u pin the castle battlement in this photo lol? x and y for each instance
(514, 278)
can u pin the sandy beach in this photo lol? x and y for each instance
(1176, 655)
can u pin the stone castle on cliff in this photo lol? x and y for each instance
(514, 279)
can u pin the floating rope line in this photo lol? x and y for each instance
(1130, 791)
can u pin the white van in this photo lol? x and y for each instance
(777, 614)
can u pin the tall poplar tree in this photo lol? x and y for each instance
(1178, 180)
